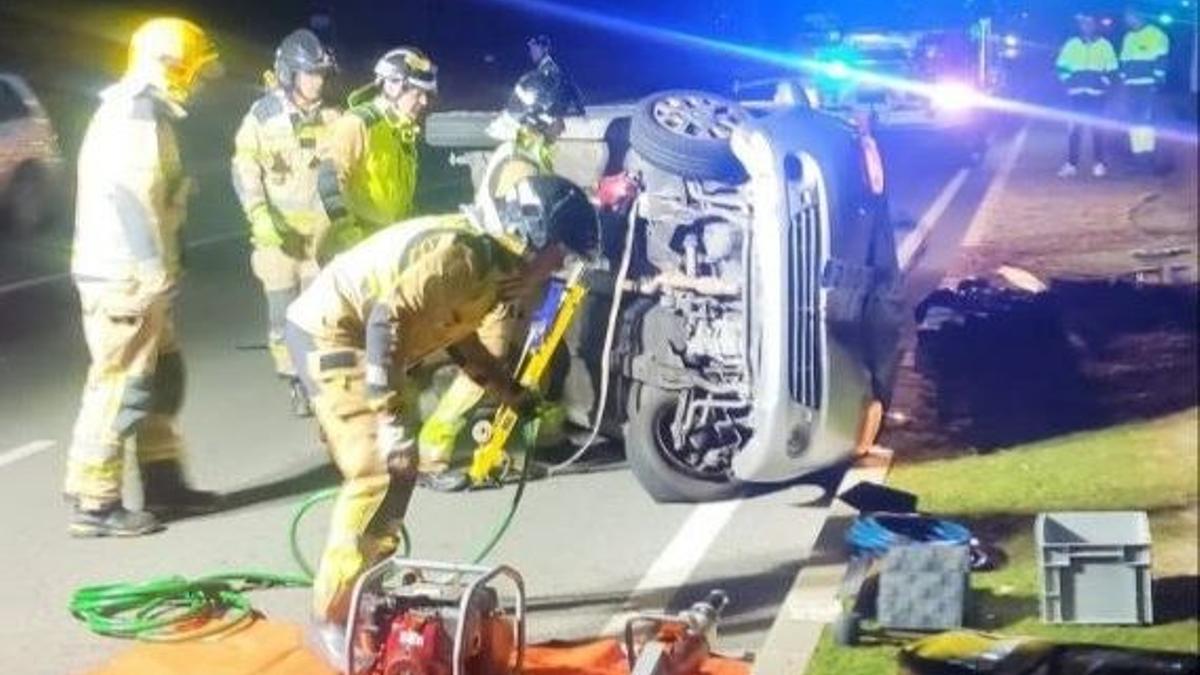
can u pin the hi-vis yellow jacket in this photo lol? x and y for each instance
(369, 171)
(1087, 67)
(1144, 56)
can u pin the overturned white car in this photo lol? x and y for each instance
(755, 276)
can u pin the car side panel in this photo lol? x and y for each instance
(26, 139)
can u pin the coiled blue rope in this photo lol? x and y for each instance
(873, 535)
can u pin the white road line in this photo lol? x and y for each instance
(981, 221)
(906, 252)
(28, 450)
(684, 552)
(216, 238)
(675, 564)
(30, 283)
(63, 276)
(812, 601)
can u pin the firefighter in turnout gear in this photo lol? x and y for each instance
(275, 177)
(1144, 52)
(377, 310)
(132, 199)
(540, 52)
(1086, 66)
(529, 125)
(368, 173)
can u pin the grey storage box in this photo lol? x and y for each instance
(1095, 567)
(923, 587)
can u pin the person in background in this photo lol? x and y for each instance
(541, 53)
(528, 127)
(274, 170)
(1086, 66)
(367, 177)
(1144, 52)
(131, 205)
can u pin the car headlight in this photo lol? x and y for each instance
(953, 96)
(837, 70)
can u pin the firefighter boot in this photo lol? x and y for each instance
(111, 520)
(166, 492)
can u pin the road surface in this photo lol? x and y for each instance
(590, 545)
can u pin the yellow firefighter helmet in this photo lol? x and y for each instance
(174, 54)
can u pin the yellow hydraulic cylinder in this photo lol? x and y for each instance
(491, 457)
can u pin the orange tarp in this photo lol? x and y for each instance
(262, 648)
(270, 648)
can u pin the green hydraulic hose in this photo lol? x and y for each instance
(293, 530)
(493, 540)
(504, 523)
(173, 609)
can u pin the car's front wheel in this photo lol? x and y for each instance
(687, 133)
(670, 469)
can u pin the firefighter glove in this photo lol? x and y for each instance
(264, 232)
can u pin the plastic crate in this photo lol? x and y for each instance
(923, 587)
(1095, 567)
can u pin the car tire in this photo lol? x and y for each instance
(687, 132)
(658, 476)
(459, 130)
(27, 205)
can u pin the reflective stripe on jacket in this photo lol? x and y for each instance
(410, 290)
(132, 192)
(1087, 67)
(369, 168)
(430, 282)
(275, 161)
(1144, 56)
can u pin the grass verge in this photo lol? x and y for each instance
(1150, 466)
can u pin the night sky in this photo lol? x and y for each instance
(69, 49)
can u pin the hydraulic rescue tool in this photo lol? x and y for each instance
(491, 460)
(411, 617)
(680, 644)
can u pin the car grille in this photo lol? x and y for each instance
(804, 335)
